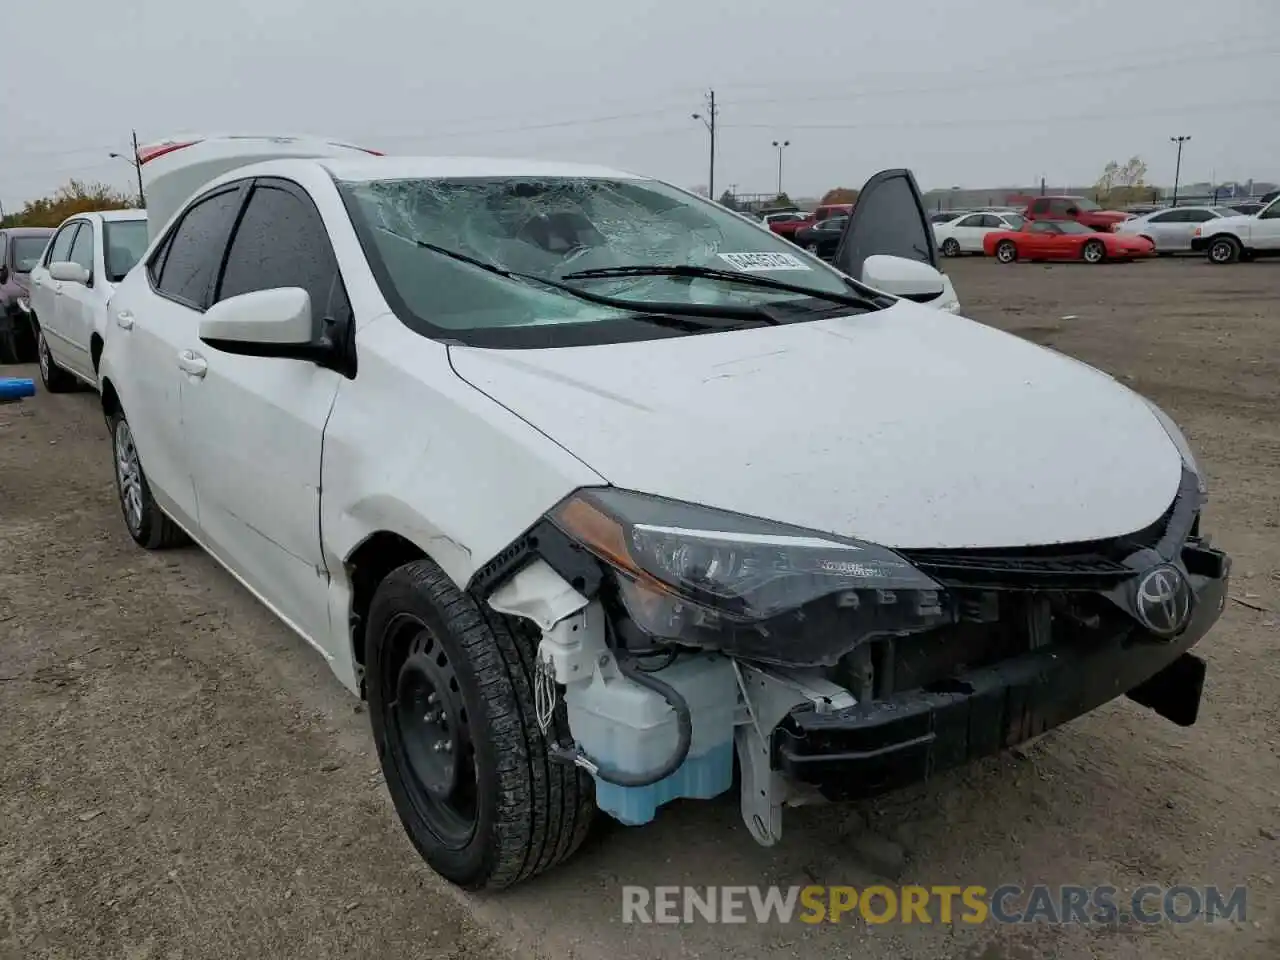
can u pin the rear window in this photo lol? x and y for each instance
(125, 241)
(26, 252)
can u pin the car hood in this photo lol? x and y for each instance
(908, 426)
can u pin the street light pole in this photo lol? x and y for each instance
(1177, 169)
(780, 146)
(709, 121)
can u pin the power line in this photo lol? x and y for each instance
(1021, 79)
(1012, 121)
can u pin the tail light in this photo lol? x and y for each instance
(1196, 232)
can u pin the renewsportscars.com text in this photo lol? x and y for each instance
(946, 904)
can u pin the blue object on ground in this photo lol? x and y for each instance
(13, 388)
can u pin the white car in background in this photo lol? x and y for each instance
(1172, 229)
(590, 487)
(965, 234)
(71, 286)
(1242, 237)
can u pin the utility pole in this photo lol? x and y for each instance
(137, 165)
(780, 146)
(1177, 170)
(709, 121)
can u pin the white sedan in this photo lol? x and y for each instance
(591, 488)
(965, 234)
(1172, 229)
(71, 286)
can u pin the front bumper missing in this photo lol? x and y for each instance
(871, 748)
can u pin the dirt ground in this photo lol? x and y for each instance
(181, 777)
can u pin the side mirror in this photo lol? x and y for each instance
(265, 323)
(901, 277)
(1073, 211)
(67, 272)
(4, 273)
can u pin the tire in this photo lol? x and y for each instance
(950, 248)
(525, 813)
(812, 248)
(9, 352)
(1093, 252)
(1006, 251)
(145, 521)
(1223, 250)
(54, 378)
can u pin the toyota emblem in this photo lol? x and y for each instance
(1163, 601)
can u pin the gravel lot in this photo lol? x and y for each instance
(182, 778)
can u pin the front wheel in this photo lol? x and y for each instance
(950, 248)
(451, 702)
(147, 523)
(1094, 252)
(1006, 251)
(1224, 250)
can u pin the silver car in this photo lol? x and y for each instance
(1172, 228)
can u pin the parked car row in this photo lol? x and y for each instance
(1061, 228)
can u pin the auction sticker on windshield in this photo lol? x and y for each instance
(758, 262)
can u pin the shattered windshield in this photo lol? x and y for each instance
(555, 228)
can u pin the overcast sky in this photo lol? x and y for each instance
(966, 92)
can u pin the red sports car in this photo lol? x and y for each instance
(1063, 240)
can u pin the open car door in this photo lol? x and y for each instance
(889, 219)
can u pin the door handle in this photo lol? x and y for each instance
(192, 364)
(124, 320)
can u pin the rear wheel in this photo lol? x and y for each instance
(1094, 252)
(1224, 250)
(1006, 251)
(147, 523)
(54, 378)
(451, 702)
(950, 248)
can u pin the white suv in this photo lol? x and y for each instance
(591, 487)
(71, 286)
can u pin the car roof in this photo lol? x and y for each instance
(114, 215)
(28, 231)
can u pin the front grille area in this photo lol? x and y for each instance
(1087, 569)
(1090, 565)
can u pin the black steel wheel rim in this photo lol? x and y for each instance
(429, 731)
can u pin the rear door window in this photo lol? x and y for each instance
(189, 258)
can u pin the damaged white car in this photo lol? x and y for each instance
(593, 488)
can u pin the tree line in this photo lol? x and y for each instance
(75, 196)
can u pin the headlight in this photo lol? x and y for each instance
(752, 588)
(1180, 441)
(24, 304)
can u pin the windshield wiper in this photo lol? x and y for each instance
(729, 276)
(688, 313)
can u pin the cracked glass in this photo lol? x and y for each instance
(554, 228)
